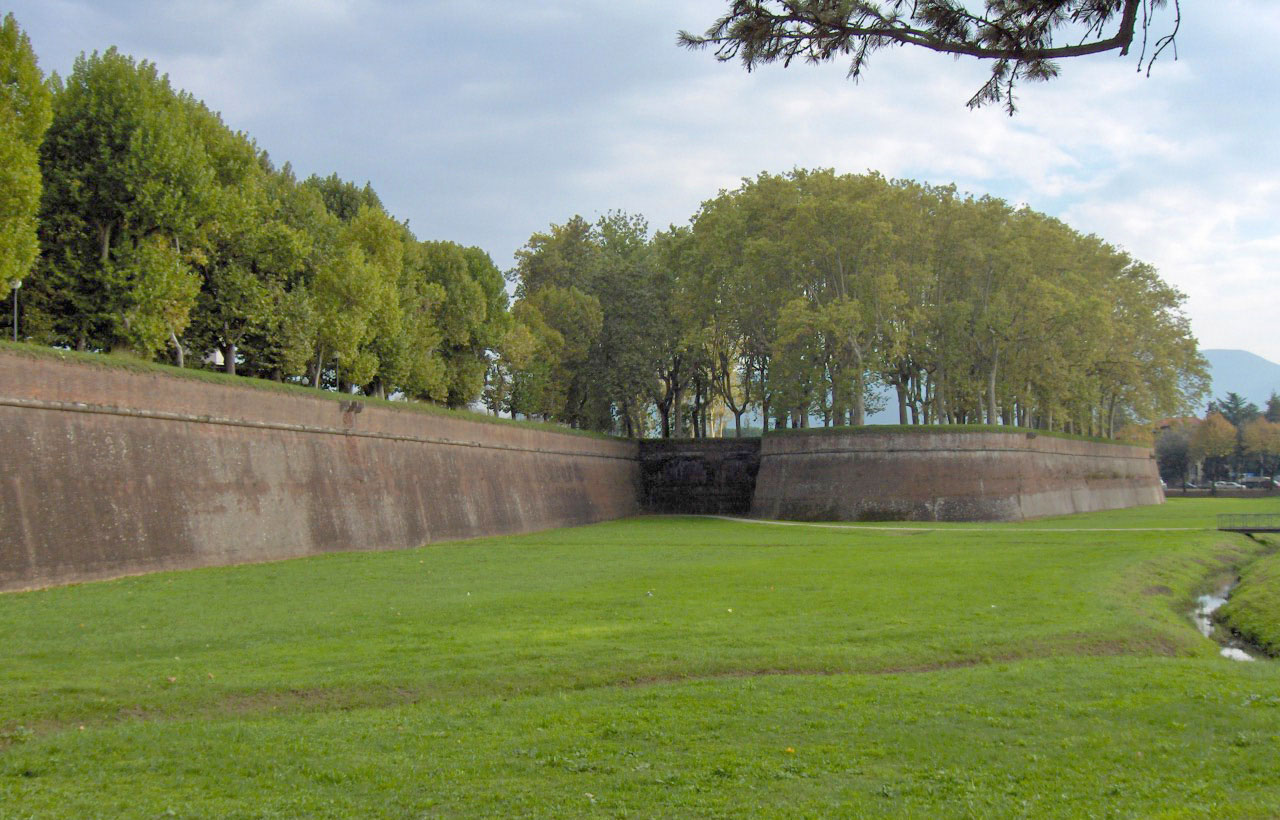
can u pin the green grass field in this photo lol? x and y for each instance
(661, 667)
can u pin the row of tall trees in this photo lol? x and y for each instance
(1234, 437)
(804, 296)
(142, 223)
(164, 233)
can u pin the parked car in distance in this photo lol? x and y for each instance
(1227, 485)
(1260, 483)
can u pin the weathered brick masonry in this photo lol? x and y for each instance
(948, 476)
(109, 471)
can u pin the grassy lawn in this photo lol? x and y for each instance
(663, 667)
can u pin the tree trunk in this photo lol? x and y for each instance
(229, 358)
(104, 239)
(991, 390)
(940, 395)
(315, 376)
(677, 421)
(902, 403)
(177, 347)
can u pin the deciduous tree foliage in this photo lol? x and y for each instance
(1022, 39)
(127, 183)
(25, 113)
(1215, 437)
(969, 309)
(800, 296)
(1261, 439)
(163, 232)
(795, 297)
(595, 285)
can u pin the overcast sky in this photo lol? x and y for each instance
(483, 130)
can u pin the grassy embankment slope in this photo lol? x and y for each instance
(1254, 609)
(655, 667)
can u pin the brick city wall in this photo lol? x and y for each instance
(112, 471)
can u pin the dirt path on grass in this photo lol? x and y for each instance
(1005, 528)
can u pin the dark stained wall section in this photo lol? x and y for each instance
(701, 476)
(110, 472)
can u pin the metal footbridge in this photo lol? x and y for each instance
(1249, 523)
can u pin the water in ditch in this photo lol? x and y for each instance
(1206, 605)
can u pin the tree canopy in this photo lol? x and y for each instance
(803, 298)
(24, 116)
(1021, 38)
(806, 296)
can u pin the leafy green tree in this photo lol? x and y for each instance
(1174, 453)
(1239, 411)
(1235, 408)
(358, 297)
(530, 357)
(1215, 441)
(1022, 39)
(1272, 411)
(800, 359)
(247, 254)
(622, 365)
(471, 316)
(25, 114)
(298, 238)
(513, 354)
(344, 199)
(577, 320)
(1261, 442)
(125, 172)
(563, 257)
(611, 263)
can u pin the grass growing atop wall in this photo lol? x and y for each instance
(939, 429)
(656, 667)
(133, 364)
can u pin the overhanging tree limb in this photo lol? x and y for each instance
(1018, 35)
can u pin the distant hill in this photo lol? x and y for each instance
(1239, 371)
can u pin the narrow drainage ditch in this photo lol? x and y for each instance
(1206, 605)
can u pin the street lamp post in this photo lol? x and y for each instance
(16, 287)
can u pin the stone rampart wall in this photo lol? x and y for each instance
(110, 472)
(947, 476)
